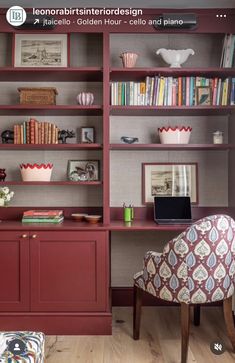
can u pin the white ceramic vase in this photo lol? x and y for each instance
(2, 202)
(175, 57)
(85, 98)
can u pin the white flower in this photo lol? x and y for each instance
(7, 198)
(5, 190)
(11, 194)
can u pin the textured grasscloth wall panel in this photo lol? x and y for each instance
(207, 48)
(86, 50)
(127, 252)
(126, 174)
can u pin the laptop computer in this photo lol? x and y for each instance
(172, 210)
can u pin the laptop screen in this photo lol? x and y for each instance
(172, 208)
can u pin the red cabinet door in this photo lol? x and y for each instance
(14, 271)
(69, 271)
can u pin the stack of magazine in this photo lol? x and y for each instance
(43, 216)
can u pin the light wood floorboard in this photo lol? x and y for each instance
(159, 340)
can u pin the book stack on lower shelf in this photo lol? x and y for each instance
(35, 132)
(43, 216)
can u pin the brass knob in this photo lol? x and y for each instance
(34, 236)
(24, 236)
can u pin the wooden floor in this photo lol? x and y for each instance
(159, 340)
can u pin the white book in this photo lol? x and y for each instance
(218, 92)
(227, 51)
(131, 93)
(223, 50)
(169, 93)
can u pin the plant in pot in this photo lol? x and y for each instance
(5, 196)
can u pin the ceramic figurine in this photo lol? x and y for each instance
(7, 137)
(129, 140)
(65, 134)
(2, 175)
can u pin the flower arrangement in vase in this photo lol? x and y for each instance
(5, 196)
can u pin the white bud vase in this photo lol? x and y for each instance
(85, 98)
(2, 202)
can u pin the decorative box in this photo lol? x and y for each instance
(36, 172)
(38, 96)
(175, 135)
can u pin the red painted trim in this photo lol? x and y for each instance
(13, 50)
(58, 323)
(60, 147)
(68, 50)
(36, 166)
(171, 146)
(88, 183)
(170, 128)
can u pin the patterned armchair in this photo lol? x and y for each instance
(197, 267)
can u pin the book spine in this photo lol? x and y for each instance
(232, 96)
(180, 91)
(21, 134)
(187, 91)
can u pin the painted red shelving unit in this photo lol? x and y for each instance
(60, 147)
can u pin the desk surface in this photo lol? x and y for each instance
(117, 225)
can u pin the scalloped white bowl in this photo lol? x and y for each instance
(36, 172)
(175, 135)
(175, 57)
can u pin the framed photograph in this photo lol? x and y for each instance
(204, 96)
(41, 50)
(83, 170)
(87, 135)
(169, 179)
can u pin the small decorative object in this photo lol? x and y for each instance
(203, 96)
(93, 219)
(87, 135)
(38, 95)
(83, 170)
(129, 59)
(7, 137)
(41, 50)
(63, 135)
(5, 196)
(2, 175)
(128, 213)
(218, 137)
(129, 140)
(175, 135)
(169, 179)
(175, 57)
(36, 172)
(85, 98)
(78, 217)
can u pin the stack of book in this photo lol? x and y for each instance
(43, 216)
(228, 52)
(172, 91)
(35, 132)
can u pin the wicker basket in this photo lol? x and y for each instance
(38, 96)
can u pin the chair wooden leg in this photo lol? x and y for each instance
(196, 314)
(228, 317)
(137, 312)
(185, 315)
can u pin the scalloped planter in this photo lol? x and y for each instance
(36, 172)
(174, 135)
(129, 59)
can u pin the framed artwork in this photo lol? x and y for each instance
(204, 96)
(87, 135)
(169, 179)
(41, 50)
(83, 170)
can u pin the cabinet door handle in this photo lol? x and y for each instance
(34, 236)
(24, 236)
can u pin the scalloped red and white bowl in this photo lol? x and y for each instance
(175, 135)
(36, 172)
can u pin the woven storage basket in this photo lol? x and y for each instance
(38, 96)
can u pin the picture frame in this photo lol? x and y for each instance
(169, 179)
(204, 96)
(87, 135)
(84, 170)
(41, 50)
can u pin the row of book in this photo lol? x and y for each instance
(35, 132)
(171, 91)
(228, 52)
(43, 216)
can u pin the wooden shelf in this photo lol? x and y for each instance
(51, 147)
(145, 226)
(170, 110)
(51, 183)
(37, 74)
(171, 147)
(137, 74)
(55, 110)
